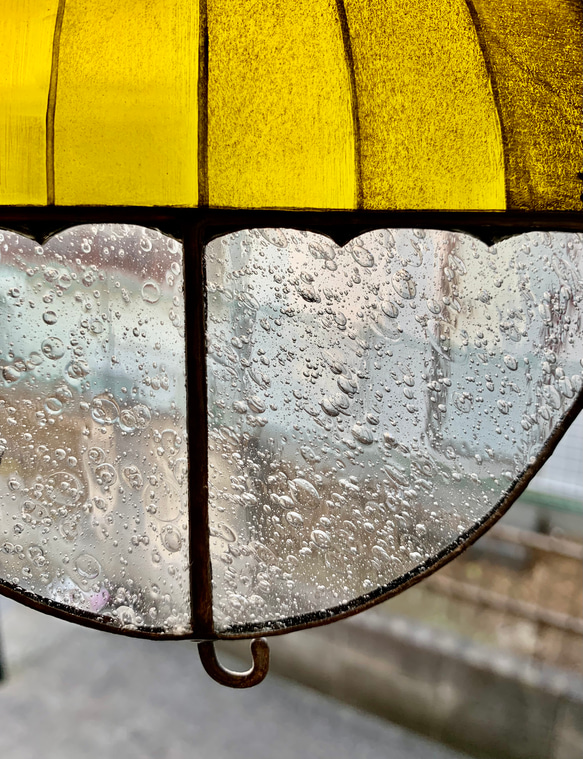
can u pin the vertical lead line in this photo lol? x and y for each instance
(349, 56)
(203, 86)
(52, 105)
(197, 425)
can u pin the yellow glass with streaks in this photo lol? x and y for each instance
(26, 43)
(323, 104)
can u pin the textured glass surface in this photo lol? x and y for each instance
(93, 492)
(328, 104)
(371, 404)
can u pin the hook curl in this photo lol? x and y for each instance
(253, 676)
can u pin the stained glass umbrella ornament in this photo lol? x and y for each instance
(291, 299)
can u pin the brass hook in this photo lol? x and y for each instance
(253, 676)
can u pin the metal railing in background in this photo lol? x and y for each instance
(525, 583)
(530, 539)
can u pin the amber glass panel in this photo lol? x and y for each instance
(370, 405)
(126, 117)
(26, 40)
(535, 53)
(281, 129)
(429, 129)
(93, 495)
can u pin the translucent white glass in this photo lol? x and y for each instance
(93, 494)
(370, 405)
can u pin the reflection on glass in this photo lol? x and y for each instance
(93, 499)
(370, 404)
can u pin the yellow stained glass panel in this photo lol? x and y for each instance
(535, 51)
(126, 116)
(26, 43)
(430, 132)
(325, 104)
(279, 106)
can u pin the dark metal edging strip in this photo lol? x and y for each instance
(40, 222)
(197, 425)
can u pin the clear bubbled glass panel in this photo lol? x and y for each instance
(370, 405)
(93, 495)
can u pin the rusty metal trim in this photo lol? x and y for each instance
(41, 222)
(83, 618)
(223, 676)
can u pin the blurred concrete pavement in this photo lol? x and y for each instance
(74, 693)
